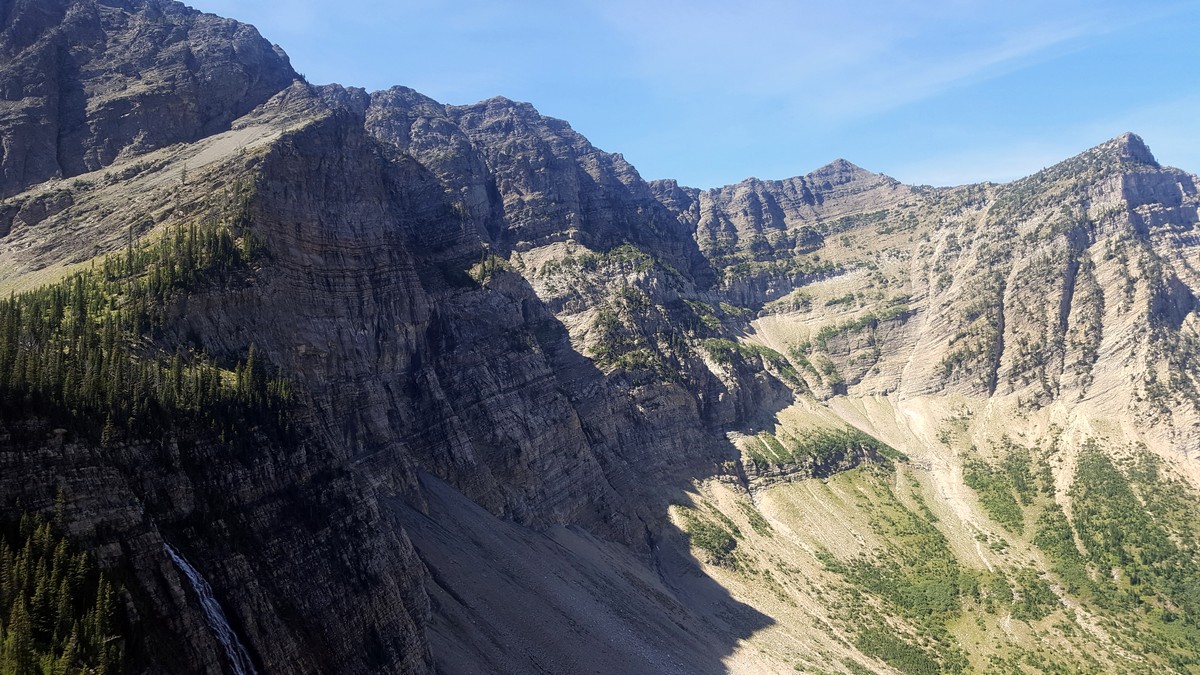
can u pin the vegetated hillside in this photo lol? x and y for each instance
(419, 386)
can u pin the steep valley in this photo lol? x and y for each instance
(419, 387)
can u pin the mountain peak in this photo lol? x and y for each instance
(1120, 154)
(840, 171)
(1128, 148)
(840, 165)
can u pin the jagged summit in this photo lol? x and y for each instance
(838, 165)
(523, 108)
(841, 171)
(1125, 150)
(1129, 147)
(1123, 154)
(837, 172)
(85, 82)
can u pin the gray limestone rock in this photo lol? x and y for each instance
(84, 82)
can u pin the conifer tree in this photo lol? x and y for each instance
(69, 661)
(19, 657)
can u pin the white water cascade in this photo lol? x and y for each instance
(239, 658)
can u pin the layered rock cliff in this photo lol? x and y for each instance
(510, 360)
(404, 363)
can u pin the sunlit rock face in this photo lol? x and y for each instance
(511, 360)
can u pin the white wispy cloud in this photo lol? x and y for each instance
(851, 59)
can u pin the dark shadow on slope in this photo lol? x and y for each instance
(506, 598)
(573, 583)
(542, 517)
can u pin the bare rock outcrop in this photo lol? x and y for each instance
(83, 82)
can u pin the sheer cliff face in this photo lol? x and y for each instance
(504, 344)
(525, 180)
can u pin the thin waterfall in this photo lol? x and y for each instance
(239, 658)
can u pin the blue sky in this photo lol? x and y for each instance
(931, 92)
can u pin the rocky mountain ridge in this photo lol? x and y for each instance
(503, 345)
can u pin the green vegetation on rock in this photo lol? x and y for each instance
(1000, 488)
(817, 445)
(916, 576)
(713, 533)
(81, 350)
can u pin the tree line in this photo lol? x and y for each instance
(83, 349)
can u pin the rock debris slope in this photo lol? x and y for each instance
(528, 412)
